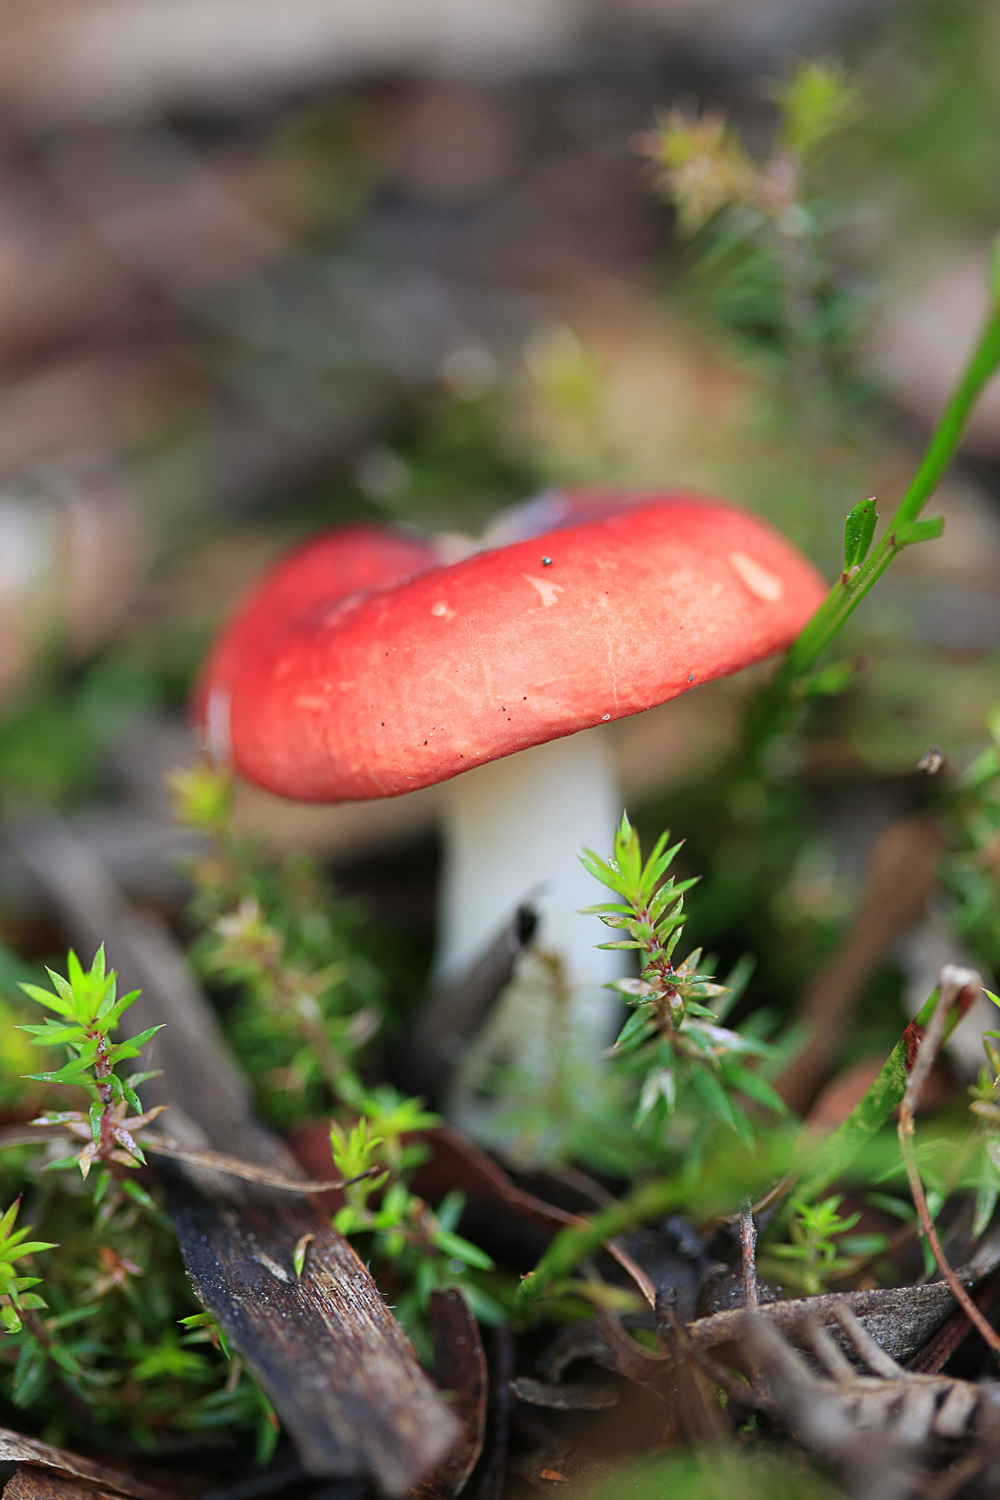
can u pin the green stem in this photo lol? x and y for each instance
(847, 593)
(835, 1155)
(818, 1166)
(648, 1201)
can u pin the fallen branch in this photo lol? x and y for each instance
(901, 1320)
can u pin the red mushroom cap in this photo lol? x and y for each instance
(337, 697)
(322, 573)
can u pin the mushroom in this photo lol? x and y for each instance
(316, 579)
(363, 668)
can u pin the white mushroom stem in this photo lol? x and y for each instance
(514, 831)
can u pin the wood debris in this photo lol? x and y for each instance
(879, 1424)
(337, 1367)
(460, 1372)
(42, 1471)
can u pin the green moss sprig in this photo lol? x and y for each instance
(16, 1295)
(88, 1011)
(99, 1357)
(672, 1042)
(417, 1244)
(812, 1257)
(305, 1009)
(273, 931)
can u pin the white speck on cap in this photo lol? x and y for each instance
(759, 581)
(547, 592)
(442, 611)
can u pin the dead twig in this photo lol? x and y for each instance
(696, 1412)
(161, 1145)
(954, 982)
(231, 1166)
(953, 1480)
(853, 1401)
(748, 1241)
(770, 1199)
